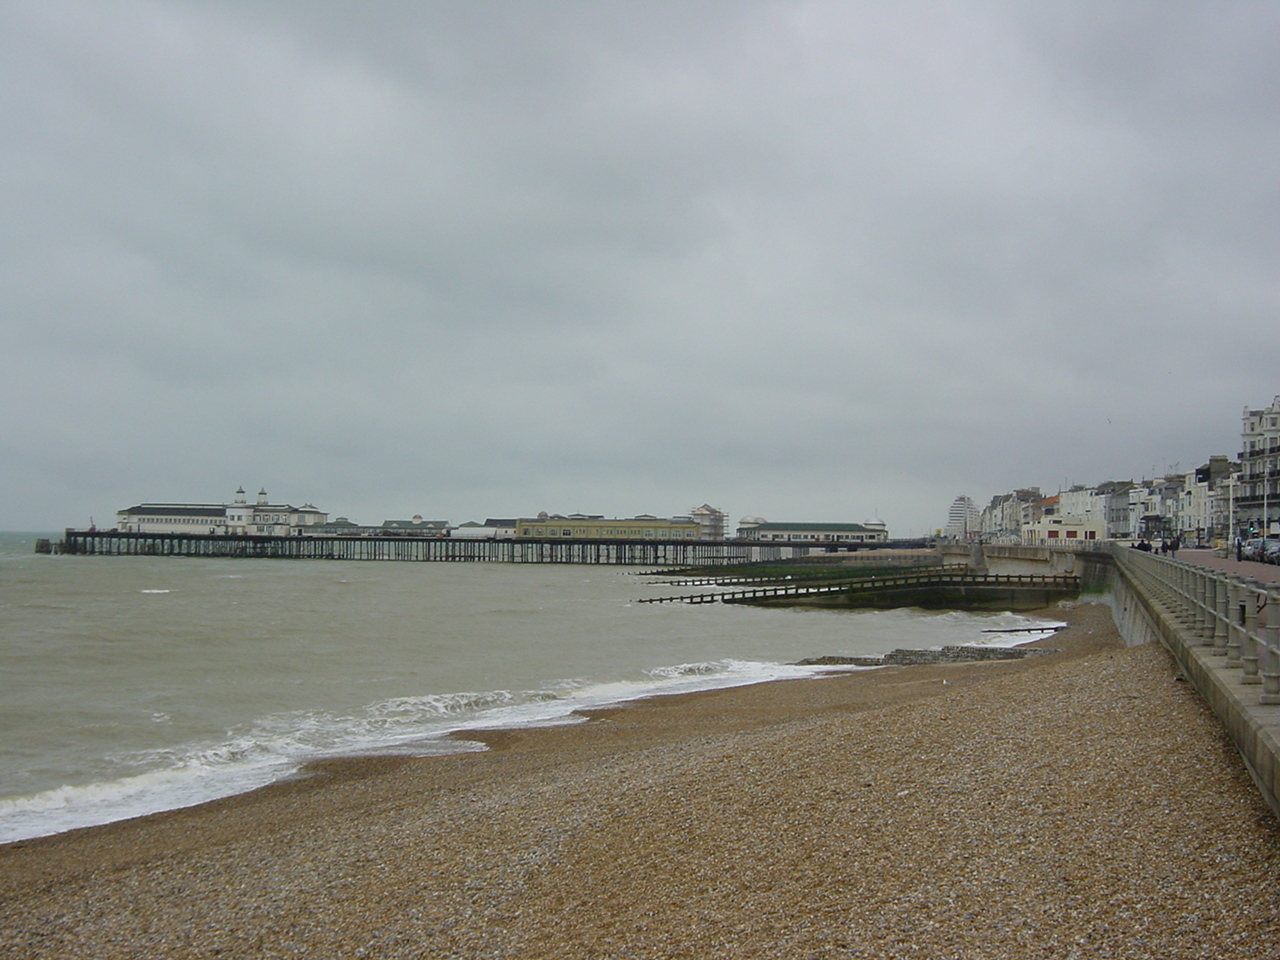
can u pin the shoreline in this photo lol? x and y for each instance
(1077, 801)
(60, 807)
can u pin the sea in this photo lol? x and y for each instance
(131, 685)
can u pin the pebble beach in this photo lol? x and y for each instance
(1084, 804)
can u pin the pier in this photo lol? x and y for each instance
(643, 552)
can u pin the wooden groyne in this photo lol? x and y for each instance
(943, 588)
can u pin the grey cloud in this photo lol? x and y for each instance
(800, 259)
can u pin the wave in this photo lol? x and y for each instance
(277, 747)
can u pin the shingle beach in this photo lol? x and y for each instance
(1084, 804)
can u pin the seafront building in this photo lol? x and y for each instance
(1191, 507)
(1221, 500)
(1063, 528)
(261, 518)
(1257, 497)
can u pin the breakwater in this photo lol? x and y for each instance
(942, 588)
(906, 657)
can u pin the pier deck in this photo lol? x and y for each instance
(645, 552)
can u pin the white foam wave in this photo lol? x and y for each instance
(69, 807)
(278, 746)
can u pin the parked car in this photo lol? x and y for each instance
(1251, 548)
(1270, 551)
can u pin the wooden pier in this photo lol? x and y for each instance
(645, 552)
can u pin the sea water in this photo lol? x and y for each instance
(130, 685)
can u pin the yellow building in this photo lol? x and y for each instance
(580, 527)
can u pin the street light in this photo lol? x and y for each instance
(1231, 500)
(1266, 493)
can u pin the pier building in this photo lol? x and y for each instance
(711, 520)
(579, 526)
(491, 529)
(873, 531)
(261, 518)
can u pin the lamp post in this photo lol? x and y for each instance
(1231, 506)
(1266, 493)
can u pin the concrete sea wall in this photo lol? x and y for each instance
(1222, 649)
(1222, 632)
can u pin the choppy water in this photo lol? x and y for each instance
(135, 684)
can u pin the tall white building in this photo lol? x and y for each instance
(1257, 499)
(962, 519)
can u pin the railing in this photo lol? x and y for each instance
(1237, 617)
(873, 584)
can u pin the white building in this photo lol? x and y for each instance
(239, 517)
(1082, 501)
(1059, 528)
(491, 529)
(962, 519)
(710, 521)
(1257, 499)
(1002, 519)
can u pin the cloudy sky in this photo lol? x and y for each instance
(800, 260)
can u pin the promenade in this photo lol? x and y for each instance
(1264, 572)
(1079, 805)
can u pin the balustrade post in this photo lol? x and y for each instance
(1190, 581)
(1235, 621)
(1202, 594)
(1249, 647)
(1178, 591)
(1270, 653)
(1219, 616)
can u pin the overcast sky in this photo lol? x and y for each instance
(799, 260)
